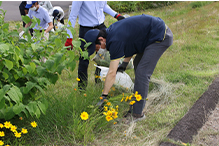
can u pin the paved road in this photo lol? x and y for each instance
(13, 13)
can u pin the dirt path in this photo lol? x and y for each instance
(199, 121)
(208, 135)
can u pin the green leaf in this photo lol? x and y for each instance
(24, 70)
(33, 66)
(4, 48)
(34, 47)
(8, 113)
(18, 108)
(26, 19)
(29, 68)
(58, 57)
(2, 93)
(29, 86)
(2, 104)
(72, 65)
(49, 64)
(41, 70)
(15, 94)
(6, 88)
(60, 68)
(8, 64)
(0, 3)
(42, 107)
(58, 43)
(39, 88)
(33, 109)
(52, 77)
(76, 44)
(71, 55)
(87, 45)
(5, 75)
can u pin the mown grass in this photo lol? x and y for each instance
(185, 70)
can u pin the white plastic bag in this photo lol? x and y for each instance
(122, 79)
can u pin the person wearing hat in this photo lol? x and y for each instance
(91, 15)
(39, 12)
(58, 14)
(146, 36)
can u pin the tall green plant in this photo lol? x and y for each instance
(23, 70)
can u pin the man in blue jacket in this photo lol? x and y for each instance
(91, 16)
(146, 36)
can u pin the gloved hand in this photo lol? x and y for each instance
(69, 43)
(46, 36)
(100, 104)
(122, 67)
(119, 17)
(21, 34)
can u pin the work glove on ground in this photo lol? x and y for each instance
(122, 67)
(119, 17)
(100, 104)
(69, 43)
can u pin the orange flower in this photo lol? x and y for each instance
(101, 98)
(132, 102)
(108, 103)
(85, 94)
(115, 123)
(21, 118)
(75, 89)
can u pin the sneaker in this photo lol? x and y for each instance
(132, 118)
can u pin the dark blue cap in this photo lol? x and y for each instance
(55, 13)
(29, 4)
(91, 36)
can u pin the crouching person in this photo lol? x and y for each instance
(146, 36)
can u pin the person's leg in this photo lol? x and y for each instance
(22, 12)
(145, 67)
(97, 71)
(83, 64)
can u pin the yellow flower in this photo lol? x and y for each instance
(113, 110)
(122, 99)
(1, 142)
(97, 76)
(78, 79)
(117, 107)
(126, 99)
(1, 125)
(33, 124)
(122, 94)
(24, 131)
(132, 102)
(109, 113)
(108, 103)
(138, 97)
(13, 128)
(115, 115)
(75, 89)
(184, 143)
(109, 118)
(2, 134)
(7, 124)
(84, 116)
(18, 135)
(113, 88)
(136, 93)
(130, 97)
(101, 98)
(105, 108)
(7, 145)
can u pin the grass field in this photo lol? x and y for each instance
(182, 75)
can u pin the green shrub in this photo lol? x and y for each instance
(199, 4)
(131, 6)
(23, 72)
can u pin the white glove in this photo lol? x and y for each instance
(46, 35)
(21, 34)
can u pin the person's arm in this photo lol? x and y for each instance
(28, 24)
(109, 11)
(75, 8)
(111, 76)
(49, 28)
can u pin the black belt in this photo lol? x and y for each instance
(94, 27)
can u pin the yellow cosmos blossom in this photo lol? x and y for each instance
(1, 142)
(108, 103)
(117, 107)
(105, 113)
(113, 110)
(1, 125)
(24, 131)
(101, 98)
(97, 76)
(13, 128)
(78, 79)
(138, 97)
(136, 93)
(2, 134)
(122, 99)
(17, 134)
(115, 115)
(113, 88)
(33, 124)
(109, 118)
(105, 100)
(7, 145)
(132, 102)
(7, 124)
(126, 99)
(84, 116)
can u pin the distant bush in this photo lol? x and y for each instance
(198, 4)
(131, 6)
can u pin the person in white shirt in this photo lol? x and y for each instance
(47, 5)
(40, 13)
(58, 14)
(91, 16)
